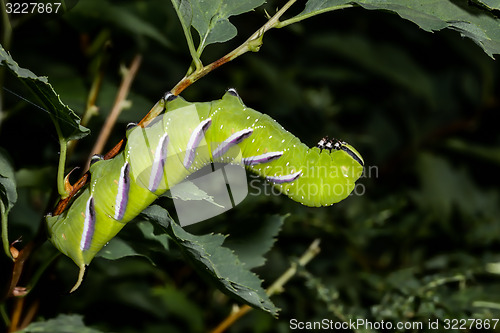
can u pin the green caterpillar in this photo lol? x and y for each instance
(187, 137)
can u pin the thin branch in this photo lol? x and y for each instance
(186, 28)
(63, 146)
(5, 233)
(23, 256)
(16, 314)
(253, 44)
(29, 315)
(117, 107)
(311, 252)
(277, 286)
(90, 109)
(306, 16)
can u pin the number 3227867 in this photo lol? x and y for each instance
(32, 8)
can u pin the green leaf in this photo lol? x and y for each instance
(211, 18)
(184, 11)
(138, 239)
(431, 15)
(252, 241)
(8, 193)
(62, 116)
(219, 264)
(61, 324)
(490, 4)
(445, 189)
(127, 19)
(116, 249)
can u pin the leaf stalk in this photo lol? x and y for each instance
(252, 44)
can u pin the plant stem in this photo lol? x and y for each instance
(63, 146)
(253, 44)
(24, 254)
(117, 107)
(278, 286)
(189, 39)
(306, 16)
(5, 234)
(310, 253)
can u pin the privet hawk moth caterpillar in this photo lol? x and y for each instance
(187, 137)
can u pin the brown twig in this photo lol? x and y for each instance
(278, 286)
(30, 314)
(253, 43)
(20, 261)
(117, 107)
(16, 314)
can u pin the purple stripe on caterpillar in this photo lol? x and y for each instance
(284, 179)
(158, 163)
(194, 141)
(122, 194)
(264, 158)
(88, 225)
(231, 141)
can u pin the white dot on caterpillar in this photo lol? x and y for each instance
(282, 141)
(253, 140)
(287, 163)
(221, 126)
(270, 136)
(248, 117)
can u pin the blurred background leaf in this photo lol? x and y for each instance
(8, 193)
